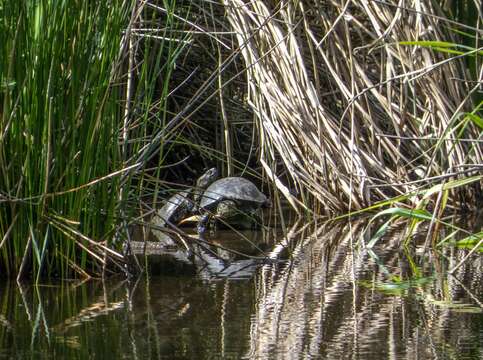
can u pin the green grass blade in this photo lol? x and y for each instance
(451, 185)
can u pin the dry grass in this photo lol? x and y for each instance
(352, 115)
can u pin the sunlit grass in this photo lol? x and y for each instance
(359, 109)
(72, 109)
(424, 212)
(60, 128)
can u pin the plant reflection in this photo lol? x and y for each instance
(330, 298)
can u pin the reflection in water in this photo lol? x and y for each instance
(318, 306)
(328, 302)
(168, 317)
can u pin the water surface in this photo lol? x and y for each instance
(327, 302)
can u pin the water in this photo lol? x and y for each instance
(327, 303)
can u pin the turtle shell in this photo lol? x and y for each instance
(238, 189)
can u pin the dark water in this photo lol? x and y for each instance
(328, 302)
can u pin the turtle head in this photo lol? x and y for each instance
(207, 178)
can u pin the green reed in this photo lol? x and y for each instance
(64, 141)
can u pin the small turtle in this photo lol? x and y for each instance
(228, 197)
(184, 202)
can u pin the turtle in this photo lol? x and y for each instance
(230, 197)
(184, 202)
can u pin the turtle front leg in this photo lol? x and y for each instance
(202, 223)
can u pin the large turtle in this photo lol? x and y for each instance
(184, 202)
(230, 196)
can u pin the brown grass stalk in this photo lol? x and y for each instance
(343, 106)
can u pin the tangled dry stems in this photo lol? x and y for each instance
(354, 116)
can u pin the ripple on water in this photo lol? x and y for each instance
(333, 300)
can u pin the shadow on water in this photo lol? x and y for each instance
(328, 302)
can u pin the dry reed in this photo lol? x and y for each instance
(355, 116)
